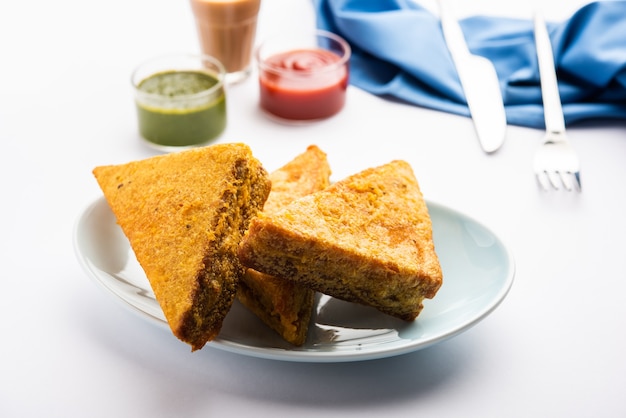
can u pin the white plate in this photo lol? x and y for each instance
(478, 272)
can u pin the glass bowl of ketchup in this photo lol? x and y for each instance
(303, 78)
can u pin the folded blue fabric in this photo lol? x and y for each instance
(399, 52)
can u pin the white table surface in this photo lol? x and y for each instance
(554, 348)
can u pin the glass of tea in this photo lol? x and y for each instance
(226, 31)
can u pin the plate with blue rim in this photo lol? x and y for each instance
(478, 272)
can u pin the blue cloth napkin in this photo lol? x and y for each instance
(399, 52)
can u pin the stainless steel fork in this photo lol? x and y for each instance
(556, 164)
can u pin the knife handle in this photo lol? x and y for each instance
(452, 30)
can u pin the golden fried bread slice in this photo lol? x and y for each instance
(184, 214)
(284, 305)
(365, 239)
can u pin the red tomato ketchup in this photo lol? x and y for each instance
(303, 84)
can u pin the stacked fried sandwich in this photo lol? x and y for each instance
(209, 225)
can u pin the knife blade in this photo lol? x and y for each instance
(480, 84)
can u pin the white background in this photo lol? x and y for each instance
(554, 348)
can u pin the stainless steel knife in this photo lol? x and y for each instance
(480, 84)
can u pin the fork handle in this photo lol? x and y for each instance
(552, 110)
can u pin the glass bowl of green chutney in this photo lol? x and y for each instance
(180, 100)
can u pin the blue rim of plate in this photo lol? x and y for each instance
(478, 270)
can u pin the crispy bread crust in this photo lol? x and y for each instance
(184, 214)
(365, 239)
(285, 306)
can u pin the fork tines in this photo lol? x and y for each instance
(567, 180)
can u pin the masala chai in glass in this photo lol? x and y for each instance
(226, 31)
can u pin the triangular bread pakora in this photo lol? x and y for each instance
(184, 214)
(284, 305)
(365, 239)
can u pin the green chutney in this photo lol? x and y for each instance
(180, 108)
